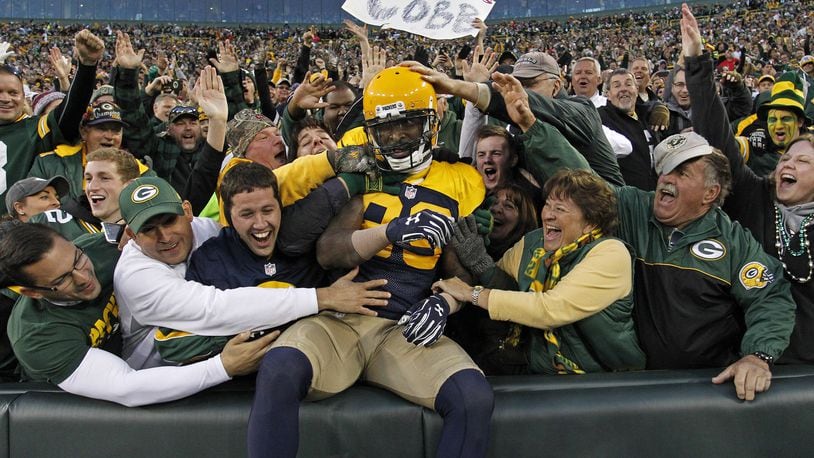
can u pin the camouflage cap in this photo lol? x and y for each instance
(242, 128)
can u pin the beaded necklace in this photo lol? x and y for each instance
(783, 241)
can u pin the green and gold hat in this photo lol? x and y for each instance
(146, 197)
(787, 94)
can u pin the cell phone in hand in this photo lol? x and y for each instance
(113, 232)
(464, 52)
(258, 334)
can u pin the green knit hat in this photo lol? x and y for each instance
(787, 94)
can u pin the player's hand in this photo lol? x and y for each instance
(424, 323)
(426, 224)
(750, 374)
(348, 296)
(241, 356)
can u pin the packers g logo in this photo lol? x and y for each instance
(754, 275)
(144, 193)
(676, 141)
(709, 250)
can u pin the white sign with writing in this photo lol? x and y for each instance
(438, 19)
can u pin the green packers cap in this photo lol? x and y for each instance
(787, 94)
(146, 197)
(677, 149)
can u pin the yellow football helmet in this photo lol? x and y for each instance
(400, 119)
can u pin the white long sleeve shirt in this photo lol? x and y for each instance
(151, 293)
(103, 375)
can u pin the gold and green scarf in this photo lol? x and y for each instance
(552, 277)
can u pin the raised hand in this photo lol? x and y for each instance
(210, 95)
(484, 63)
(61, 66)
(5, 51)
(481, 26)
(690, 34)
(126, 57)
(516, 98)
(227, 58)
(309, 94)
(373, 61)
(88, 48)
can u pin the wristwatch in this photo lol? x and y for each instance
(768, 359)
(476, 294)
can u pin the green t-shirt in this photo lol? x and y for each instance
(50, 341)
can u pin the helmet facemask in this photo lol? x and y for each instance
(403, 142)
(401, 122)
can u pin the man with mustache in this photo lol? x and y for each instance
(706, 294)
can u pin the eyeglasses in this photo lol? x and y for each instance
(179, 110)
(80, 263)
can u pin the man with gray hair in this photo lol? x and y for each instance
(586, 76)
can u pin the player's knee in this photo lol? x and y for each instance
(466, 392)
(479, 399)
(285, 367)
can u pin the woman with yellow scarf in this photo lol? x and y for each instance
(568, 285)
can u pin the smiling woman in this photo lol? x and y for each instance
(778, 209)
(567, 285)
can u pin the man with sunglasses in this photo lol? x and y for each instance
(65, 327)
(23, 137)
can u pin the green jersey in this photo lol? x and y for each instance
(50, 341)
(66, 224)
(70, 161)
(20, 142)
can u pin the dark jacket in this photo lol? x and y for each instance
(637, 167)
(752, 203)
(578, 121)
